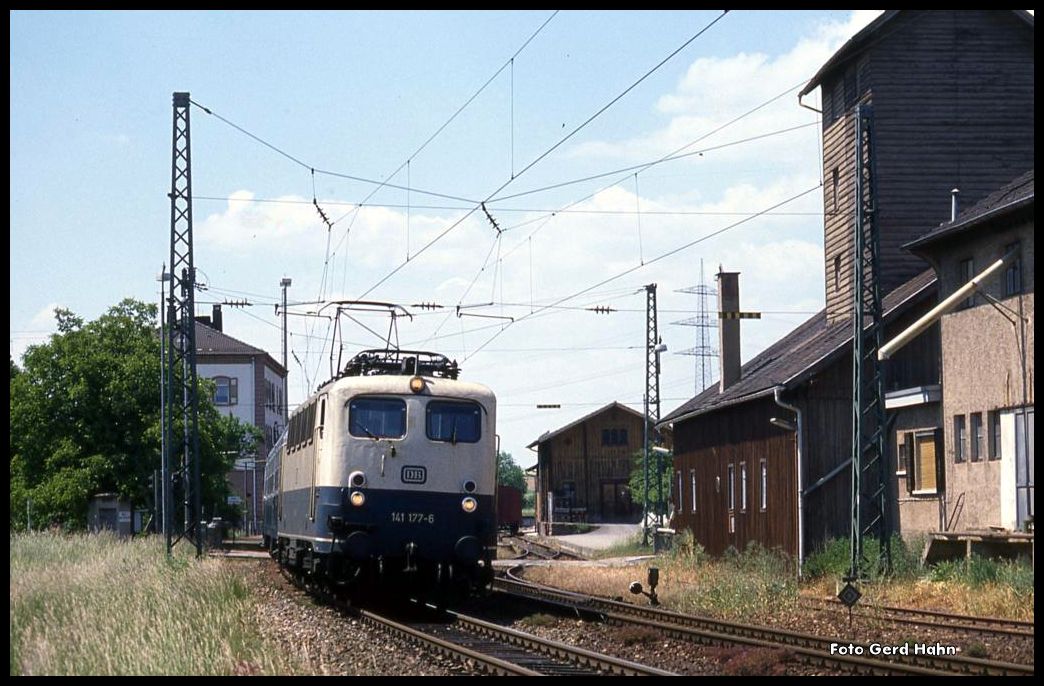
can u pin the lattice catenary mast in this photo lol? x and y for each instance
(182, 415)
(869, 447)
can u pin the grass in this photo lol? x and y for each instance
(757, 584)
(978, 586)
(752, 584)
(97, 605)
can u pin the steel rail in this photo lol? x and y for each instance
(554, 649)
(812, 648)
(488, 663)
(945, 620)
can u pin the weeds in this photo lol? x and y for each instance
(97, 605)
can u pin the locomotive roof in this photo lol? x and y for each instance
(436, 387)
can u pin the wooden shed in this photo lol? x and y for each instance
(585, 466)
(736, 449)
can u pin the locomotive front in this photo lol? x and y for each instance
(415, 456)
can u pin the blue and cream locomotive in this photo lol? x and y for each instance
(387, 476)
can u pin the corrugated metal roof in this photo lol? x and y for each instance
(548, 435)
(1013, 196)
(799, 354)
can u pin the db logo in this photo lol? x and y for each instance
(414, 474)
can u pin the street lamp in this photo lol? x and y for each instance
(162, 507)
(285, 283)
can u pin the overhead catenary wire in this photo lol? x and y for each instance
(653, 260)
(548, 152)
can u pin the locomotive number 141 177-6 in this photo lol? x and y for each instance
(413, 517)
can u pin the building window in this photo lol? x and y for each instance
(614, 436)
(679, 504)
(226, 390)
(692, 481)
(743, 486)
(976, 436)
(966, 274)
(904, 447)
(731, 485)
(923, 471)
(568, 494)
(764, 485)
(837, 183)
(837, 273)
(995, 434)
(958, 438)
(1013, 274)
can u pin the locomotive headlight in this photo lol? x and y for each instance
(417, 384)
(469, 486)
(357, 498)
(357, 479)
(469, 504)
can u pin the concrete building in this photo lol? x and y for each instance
(987, 365)
(248, 385)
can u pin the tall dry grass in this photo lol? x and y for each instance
(96, 605)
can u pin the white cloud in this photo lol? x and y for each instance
(37, 330)
(779, 256)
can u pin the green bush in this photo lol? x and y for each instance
(979, 571)
(833, 559)
(830, 560)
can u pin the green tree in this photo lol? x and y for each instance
(85, 418)
(509, 473)
(637, 481)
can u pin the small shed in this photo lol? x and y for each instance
(109, 511)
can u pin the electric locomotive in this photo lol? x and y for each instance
(386, 477)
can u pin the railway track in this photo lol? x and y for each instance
(810, 649)
(930, 618)
(503, 651)
(538, 550)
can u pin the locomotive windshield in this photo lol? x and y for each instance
(454, 422)
(377, 417)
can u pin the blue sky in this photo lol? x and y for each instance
(358, 93)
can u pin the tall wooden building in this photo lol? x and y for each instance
(952, 93)
(586, 466)
(765, 456)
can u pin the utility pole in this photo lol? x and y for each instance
(869, 447)
(163, 507)
(183, 401)
(285, 283)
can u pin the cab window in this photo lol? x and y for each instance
(454, 422)
(377, 417)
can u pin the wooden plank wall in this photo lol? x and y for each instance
(953, 93)
(742, 433)
(577, 455)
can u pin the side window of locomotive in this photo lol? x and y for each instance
(454, 422)
(377, 417)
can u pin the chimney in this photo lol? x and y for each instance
(216, 318)
(954, 204)
(728, 329)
